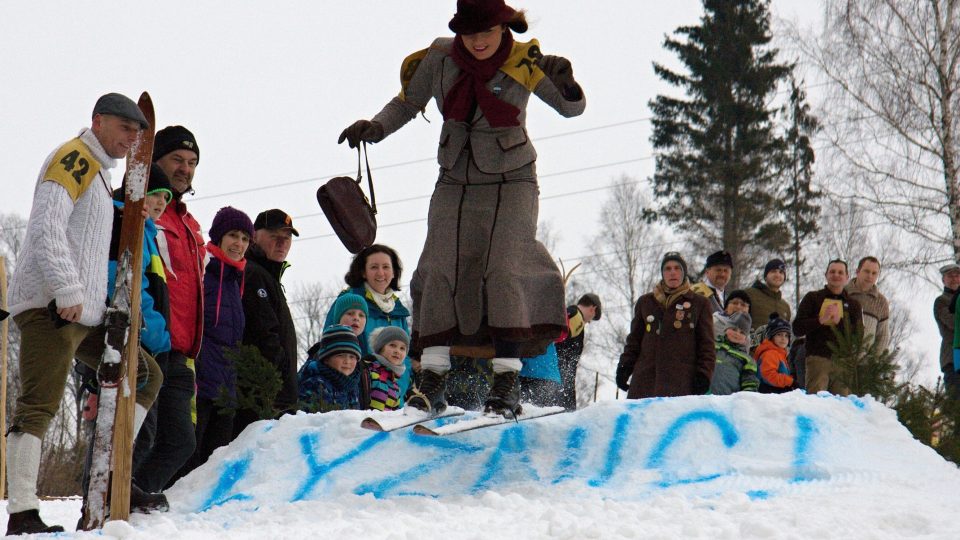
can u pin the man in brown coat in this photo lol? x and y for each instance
(950, 274)
(670, 349)
(819, 312)
(876, 308)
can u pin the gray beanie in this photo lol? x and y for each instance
(385, 334)
(722, 321)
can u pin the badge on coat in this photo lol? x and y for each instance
(262, 293)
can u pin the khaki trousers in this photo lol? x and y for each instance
(819, 377)
(46, 357)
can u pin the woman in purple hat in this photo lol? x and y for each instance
(223, 323)
(483, 280)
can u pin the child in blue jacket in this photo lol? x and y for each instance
(330, 380)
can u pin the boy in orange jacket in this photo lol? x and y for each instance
(771, 357)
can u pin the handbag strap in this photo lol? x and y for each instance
(366, 156)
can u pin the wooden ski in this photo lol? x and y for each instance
(113, 438)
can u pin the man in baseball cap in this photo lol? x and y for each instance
(275, 219)
(269, 324)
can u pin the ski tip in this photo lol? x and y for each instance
(371, 424)
(424, 430)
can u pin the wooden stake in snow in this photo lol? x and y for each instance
(3, 379)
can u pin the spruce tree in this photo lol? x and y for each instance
(718, 150)
(258, 383)
(861, 365)
(799, 202)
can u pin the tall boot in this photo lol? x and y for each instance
(504, 396)
(432, 394)
(23, 468)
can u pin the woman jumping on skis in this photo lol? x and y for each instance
(483, 279)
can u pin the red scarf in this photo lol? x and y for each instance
(215, 250)
(470, 86)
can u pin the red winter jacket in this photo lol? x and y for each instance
(182, 249)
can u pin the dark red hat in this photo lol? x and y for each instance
(474, 16)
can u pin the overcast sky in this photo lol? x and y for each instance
(267, 88)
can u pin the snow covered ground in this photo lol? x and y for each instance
(743, 466)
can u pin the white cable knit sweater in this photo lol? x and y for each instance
(64, 255)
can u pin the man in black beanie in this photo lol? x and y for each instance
(168, 440)
(765, 295)
(670, 350)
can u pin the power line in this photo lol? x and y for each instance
(416, 161)
(433, 158)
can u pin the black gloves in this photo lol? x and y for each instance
(560, 72)
(623, 376)
(361, 130)
(701, 384)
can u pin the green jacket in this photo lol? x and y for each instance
(763, 302)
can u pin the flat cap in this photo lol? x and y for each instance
(122, 106)
(949, 267)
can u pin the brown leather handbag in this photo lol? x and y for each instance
(351, 215)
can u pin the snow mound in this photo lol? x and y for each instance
(756, 447)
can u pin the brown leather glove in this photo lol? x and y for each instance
(560, 72)
(361, 131)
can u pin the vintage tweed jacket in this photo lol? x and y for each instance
(482, 273)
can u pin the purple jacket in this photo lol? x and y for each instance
(223, 323)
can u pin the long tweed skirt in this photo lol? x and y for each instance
(482, 274)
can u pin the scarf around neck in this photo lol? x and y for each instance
(396, 369)
(386, 301)
(470, 87)
(667, 296)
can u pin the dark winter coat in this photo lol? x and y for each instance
(181, 247)
(941, 312)
(324, 389)
(666, 360)
(376, 318)
(482, 273)
(269, 326)
(818, 335)
(763, 302)
(223, 322)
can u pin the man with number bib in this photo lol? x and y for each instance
(59, 288)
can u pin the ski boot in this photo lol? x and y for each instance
(504, 396)
(431, 396)
(29, 522)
